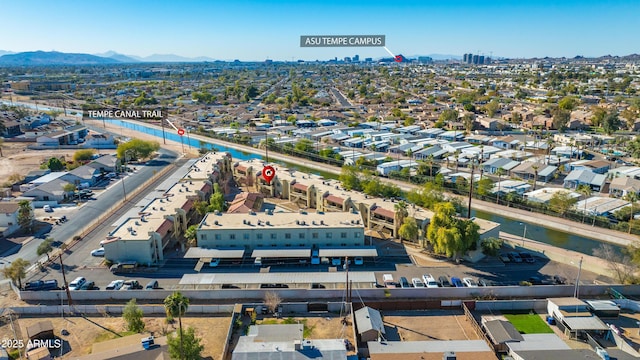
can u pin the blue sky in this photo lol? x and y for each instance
(256, 30)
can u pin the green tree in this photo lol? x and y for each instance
(598, 115)
(16, 271)
(69, 188)
(561, 119)
(448, 115)
(137, 149)
(492, 107)
(630, 117)
(176, 306)
(568, 103)
(611, 122)
(190, 235)
(409, 229)
(83, 155)
(25, 215)
(45, 247)
(216, 202)
(561, 202)
(491, 246)
(633, 147)
(185, 346)
(349, 178)
(132, 315)
(201, 207)
(55, 164)
(304, 145)
(448, 235)
(484, 186)
(467, 122)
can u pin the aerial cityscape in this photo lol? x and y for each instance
(310, 180)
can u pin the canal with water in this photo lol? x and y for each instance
(534, 232)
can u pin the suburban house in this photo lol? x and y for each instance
(369, 324)
(584, 177)
(622, 186)
(11, 129)
(527, 171)
(52, 191)
(84, 174)
(8, 218)
(506, 142)
(491, 166)
(71, 135)
(105, 164)
(596, 166)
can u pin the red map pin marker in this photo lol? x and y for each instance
(268, 172)
(398, 58)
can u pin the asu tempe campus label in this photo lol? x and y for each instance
(342, 40)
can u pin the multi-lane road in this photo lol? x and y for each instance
(82, 216)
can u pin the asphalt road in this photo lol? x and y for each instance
(89, 211)
(341, 99)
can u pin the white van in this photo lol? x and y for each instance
(77, 283)
(387, 280)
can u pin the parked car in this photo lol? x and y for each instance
(115, 285)
(417, 283)
(131, 285)
(515, 257)
(98, 252)
(469, 282)
(404, 283)
(456, 282)
(443, 281)
(336, 261)
(47, 208)
(429, 281)
(559, 280)
(358, 260)
(483, 282)
(89, 285)
(526, 257)
(152, 285)
(504, 257)
(77, 283)
(41, 285)
(387, 280)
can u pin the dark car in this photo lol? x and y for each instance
(456, 282)
(515, 257)
(443, 281)
(152, 285)
(404, 283)
(41, 285)
(559, 280)
(527, 257)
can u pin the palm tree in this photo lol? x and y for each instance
(550, 143)
(401, 212)
(410, 154)
(500, 171)
(584, 190)
(176, 305)
(430, 162)
(631, 197)
(535, 176)
(457, 156)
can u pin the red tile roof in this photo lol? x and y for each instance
(335, 199)
(299, 186)
(165, 227)
(384, 212)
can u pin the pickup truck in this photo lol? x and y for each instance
(41, 285)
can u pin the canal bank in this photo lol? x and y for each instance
(583, 238)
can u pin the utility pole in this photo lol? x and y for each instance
(64, 279)
(470, 189)
(576, 291)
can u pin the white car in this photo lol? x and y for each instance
(469, 282)
(115, 285)
(98, 252)
(47, 208)
(77, 283)
(429, 281)
(417, 283)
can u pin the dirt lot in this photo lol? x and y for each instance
(83, 332)
(428, 325)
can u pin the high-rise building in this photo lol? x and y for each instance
(481, 59)
(474, 59)
(356, 58)
(464, 58)
(425, 59)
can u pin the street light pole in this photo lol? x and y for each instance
(524, 233)
(576, 291)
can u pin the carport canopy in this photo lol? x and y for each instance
(273, 253)
(277, 278)
(202, 253)
(585, 323)
(350, 252)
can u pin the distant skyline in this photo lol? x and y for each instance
(259, 30)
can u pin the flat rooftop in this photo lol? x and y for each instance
(290, 220)
(277, 278)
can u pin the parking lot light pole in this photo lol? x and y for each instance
(576, 291)
(524, 233)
